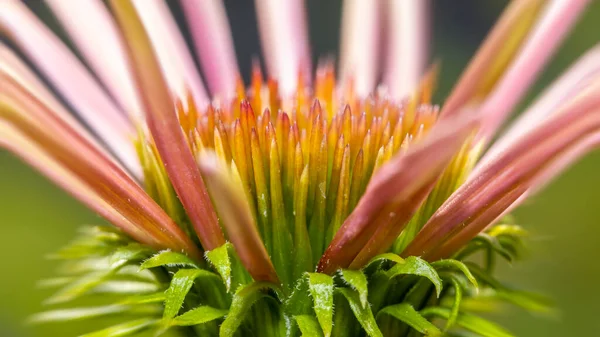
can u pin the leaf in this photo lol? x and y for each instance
(131, 252)
(386, 256)
(181, 284)
(456, 265)
(358, 281)
(169, 259)
(456, 305)
(79, 287)
(242, 301)
(364, 315)
(321, 290)
(198, 315)
(417, 266)
(69, 315)
(309, 326)
(141, 299)
(529, 301)
(407, 314)
(219, 258)
(472, 323)
(124, 329)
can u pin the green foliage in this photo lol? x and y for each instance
(390, 296)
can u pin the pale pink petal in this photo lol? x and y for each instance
(93, 30)
(556, 21)
(284, 40)
(214, 46)
(407, 47)
(174, 58)
(516, 168)
(359, 50)
(393, 195)
(71, 79)
(568, 85)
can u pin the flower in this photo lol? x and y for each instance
(306, 192)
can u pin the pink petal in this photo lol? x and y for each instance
(171, 51)
(407, 45)
(516, 168)
(212, 38)
(237, 219)
(558, 18)
(359, 50)
(284, 40)
(393, 195)
(92, 29)
(165, 128)
(71, 79)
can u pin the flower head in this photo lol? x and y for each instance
(299, 179)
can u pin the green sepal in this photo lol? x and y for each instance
(358, 281)
(133, 252)
(148, 298)
(73, 314)
(455, 305)
(364, 315)
(167, 258)
(321, 289)
(199, 315)
(243, 299)
(79, 287)
(220, 260)
(469, 322)
(456, 265)
(125, 329)
(407, 314)
(419, 267)
(309, 326)
(385, 257)
(181, 284)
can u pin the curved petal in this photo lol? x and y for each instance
(284, 40)
(174, 58)
(72, 80)
(165, 128)
(212, 38)
(359, 49)
(407, 47)
(486, 193)
(92, 28)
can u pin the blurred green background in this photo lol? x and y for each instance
(36, 218)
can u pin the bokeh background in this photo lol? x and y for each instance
(36, 217)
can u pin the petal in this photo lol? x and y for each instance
(70, 150)
(491, 189)
(407, 45)
(493, 57)
(237, 219)
(545, 37)
(569, 84)
(72, 80)
(92, 28)
(393, 195)
(359, 50)
(166, 130)
(284, 40)
(173, 57)
(212, 38)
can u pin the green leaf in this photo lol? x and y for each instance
(417, 266)
(321, 290)
(472, 323)
(169, 259)
(130, 253)
(198, 315)
(456, 305)
(358, 281)
(407, 314)
(456, 265)
(182, 282)
(242, 301)
(79, 287)
(141, 299)
(73, 314)
(529, 301)
(309, 326)
(219, 258)
(124, 329)
(364, 315)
